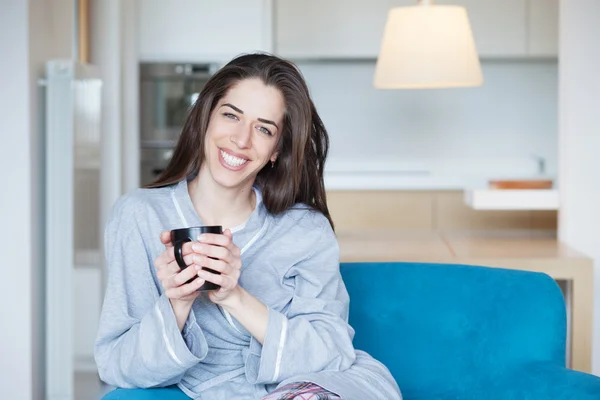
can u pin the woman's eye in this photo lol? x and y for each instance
(230, 116)
(265, 130)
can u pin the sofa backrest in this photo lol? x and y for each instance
(442, 327)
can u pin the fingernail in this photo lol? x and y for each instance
(201, 238)
(198, 268)
(197, 259)
(196, 247)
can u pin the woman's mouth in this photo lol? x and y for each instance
(232, 161)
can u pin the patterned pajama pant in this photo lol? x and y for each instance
(301, 391)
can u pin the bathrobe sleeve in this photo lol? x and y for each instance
(312, 334)
(139, 343)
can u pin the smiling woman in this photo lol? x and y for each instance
(250, 159)
(239, 92)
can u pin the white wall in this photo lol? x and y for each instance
(579, 138)
(16, 343)
(512, 116)
(30, 32)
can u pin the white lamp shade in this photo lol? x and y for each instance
(427, 46)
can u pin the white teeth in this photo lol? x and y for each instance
(233, 161)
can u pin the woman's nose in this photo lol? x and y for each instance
(242, 137)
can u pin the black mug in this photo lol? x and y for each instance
(184, 235)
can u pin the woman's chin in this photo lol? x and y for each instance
(231, 182)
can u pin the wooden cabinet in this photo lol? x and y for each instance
(354, 28)
(542, 25)
(213, 30)
(202, 30)
(513, 28)
(499, 26)
(331, 28)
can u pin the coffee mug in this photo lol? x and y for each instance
(184, 235)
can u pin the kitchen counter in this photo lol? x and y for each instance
(395, 180)
(439, 173)
(477, 194)
(523, 250)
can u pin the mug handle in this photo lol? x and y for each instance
(179, 253)
(179, 256)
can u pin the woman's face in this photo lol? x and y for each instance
(243, 132)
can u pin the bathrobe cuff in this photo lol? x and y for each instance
(186, 348)
(263, 362)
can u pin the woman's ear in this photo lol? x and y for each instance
(274, 157)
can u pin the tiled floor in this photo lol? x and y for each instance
(88, 386)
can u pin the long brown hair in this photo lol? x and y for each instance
(297, 176)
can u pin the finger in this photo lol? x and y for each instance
(225, 281)
(166, 256)
(184, 290)
(215, 265)
(182, 277)
(211, 250)
(165, 271)
(234, 249)
(169, 253)
(162, 263)
(165, 238)
(187, 260)
(224, 240)
(215, 239)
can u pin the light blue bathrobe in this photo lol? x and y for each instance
(290, 263)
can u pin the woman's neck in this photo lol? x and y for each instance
(217, 205)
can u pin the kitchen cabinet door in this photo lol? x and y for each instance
(512, 28)
(202, 30)
(331, 28)
(543, 28)
(499, 26)
(354, 28)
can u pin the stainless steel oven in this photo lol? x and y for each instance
(167, 92)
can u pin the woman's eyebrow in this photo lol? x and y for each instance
(267, 121)
(234, 107)
(264, 121)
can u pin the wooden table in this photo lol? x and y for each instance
(513, 250)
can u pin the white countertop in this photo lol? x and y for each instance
(426, 174)
(400, 181)
(471, 176)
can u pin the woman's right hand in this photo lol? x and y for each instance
(173, 278)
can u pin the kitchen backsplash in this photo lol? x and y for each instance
(510, 120)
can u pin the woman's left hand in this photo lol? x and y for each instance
(226, 259)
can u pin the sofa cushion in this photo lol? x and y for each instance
(441, 328)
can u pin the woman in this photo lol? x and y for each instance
(250, 158)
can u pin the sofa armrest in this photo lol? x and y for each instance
(544, 381)
(443, 329)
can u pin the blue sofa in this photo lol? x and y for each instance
(464, 332)
(456, 332)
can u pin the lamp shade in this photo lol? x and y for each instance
(427, 46)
